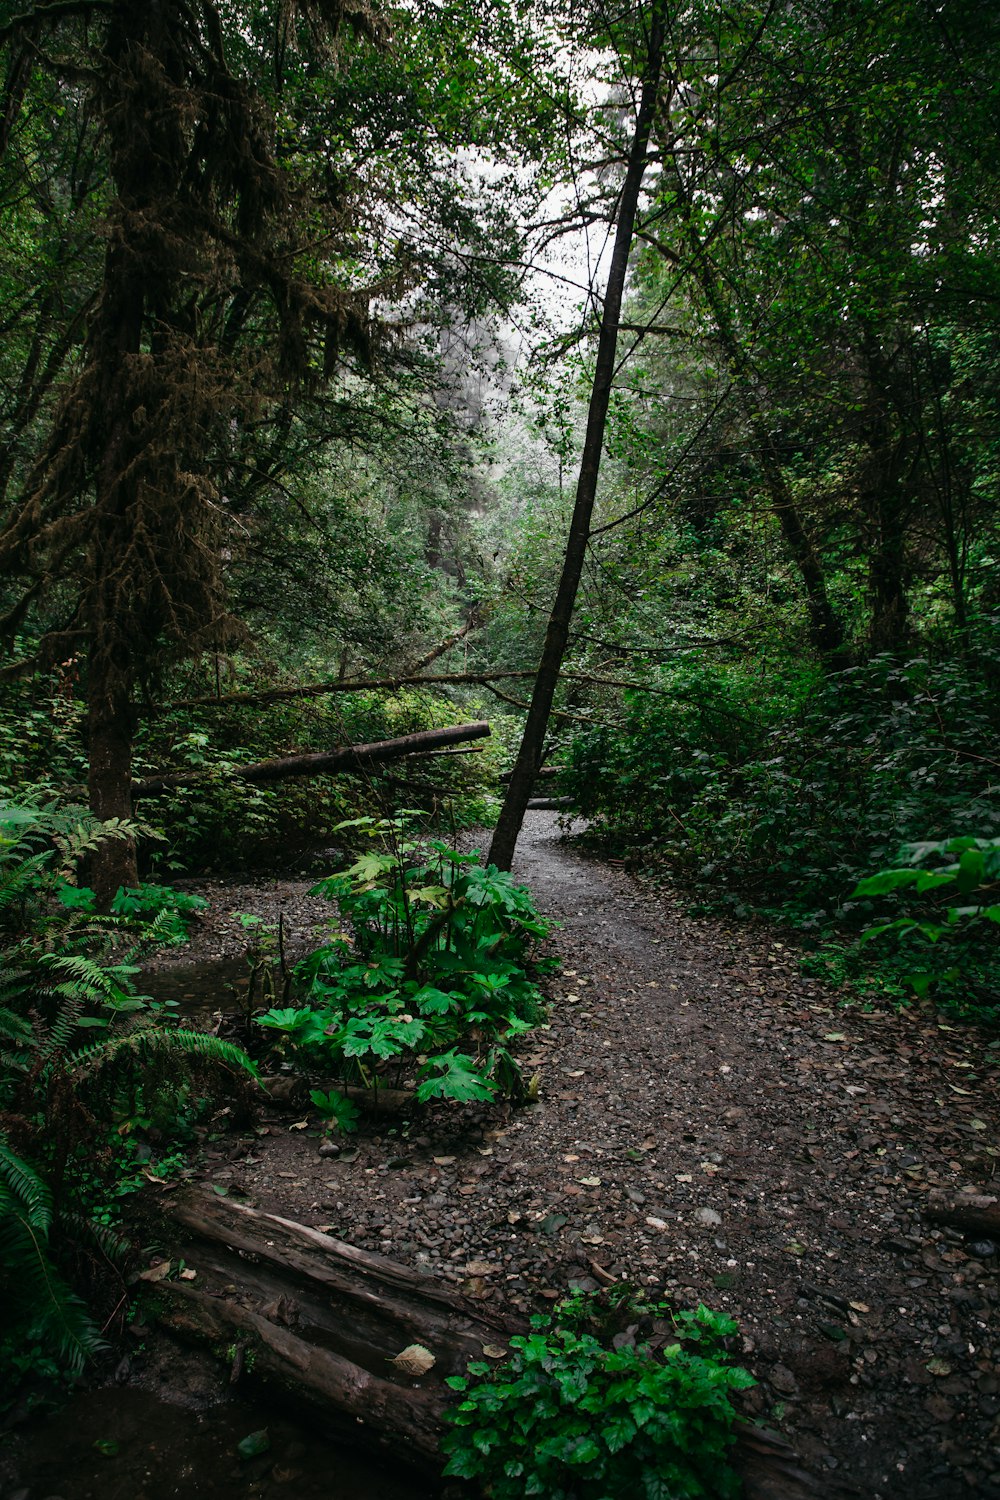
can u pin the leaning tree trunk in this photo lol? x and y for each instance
(529, 756)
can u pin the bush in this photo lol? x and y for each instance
(433, 984)
(569, 1418)
(781, 800)
(83, 1057)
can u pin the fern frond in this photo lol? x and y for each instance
(57, 1037)
(13, 1028)
(114, 1246)
(149, 1041)
(29, 1196)
(37, 1298)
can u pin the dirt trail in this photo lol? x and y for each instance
(713, 1126)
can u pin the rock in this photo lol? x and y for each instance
(981, 1249)
(783, 1381)
(329, 1148)
(708, 1217)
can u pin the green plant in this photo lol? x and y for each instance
(941, 944)
(83, 1060)
(433, 981)
(570, 1416)
(39, 1307)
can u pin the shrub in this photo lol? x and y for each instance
(569, 1417)
(433, 982)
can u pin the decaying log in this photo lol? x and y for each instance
(549, 804)
(384, 1413)
(542, 772)
(290, 1091)
(972, 1213)
(326, 1321)
(344, 758)
(380, 1101)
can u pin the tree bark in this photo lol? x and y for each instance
(976, 1213)
(327, 1322)
(344, 758)
(529, 756)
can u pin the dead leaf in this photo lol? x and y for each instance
(188, 1273)
(156, 1273)
(590, 1181)
(494, 1351)
(299, 1125)
(414, 1360)
(938, 1367)
(480, 1268)
(443, 1161)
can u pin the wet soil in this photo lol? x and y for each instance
(174, 1430)
(712, 1126)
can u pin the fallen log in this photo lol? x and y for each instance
(543, 771)
(328, 1322)
(343, 758)
(972, 1213)
(549, 804)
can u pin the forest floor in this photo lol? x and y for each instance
(712, 1126)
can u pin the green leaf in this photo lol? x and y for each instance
(254, 1444)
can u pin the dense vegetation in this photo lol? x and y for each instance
(300, 306)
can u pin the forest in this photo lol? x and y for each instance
(417, 416)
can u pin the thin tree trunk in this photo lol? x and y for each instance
(529, 756)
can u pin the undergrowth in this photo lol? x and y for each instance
(430, 986)
(590, 1406)
(83, 1059)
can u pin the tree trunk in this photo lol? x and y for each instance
(111, 726)
(344, 758)
(886, 507)
(529, 756)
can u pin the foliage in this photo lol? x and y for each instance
(83, 1059)
(952, 948)
(38, 1305)
(434, 978)
(224, 822)
(785, 800)
(569, 1416)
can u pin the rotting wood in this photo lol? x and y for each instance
(548, 804)
(323, 762)
(973, 1213)
(286, 1091)
(543, 771)
(324, 1320)
(385, 1415)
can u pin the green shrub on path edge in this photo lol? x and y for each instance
(568, 1418)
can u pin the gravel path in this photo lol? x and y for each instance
(712, 1126)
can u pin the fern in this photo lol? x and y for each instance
(27, 1187)
(38, 1303)
(146, 1043)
